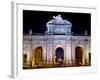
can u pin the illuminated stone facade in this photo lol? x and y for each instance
(58, 35)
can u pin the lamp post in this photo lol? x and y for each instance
(30, 34)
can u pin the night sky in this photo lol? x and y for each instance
(36, 20)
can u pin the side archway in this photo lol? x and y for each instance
(37, 56)
(79, 55)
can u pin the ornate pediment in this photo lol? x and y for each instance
(58, 26)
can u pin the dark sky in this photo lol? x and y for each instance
(36, 20)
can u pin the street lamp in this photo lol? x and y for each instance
(30, 34)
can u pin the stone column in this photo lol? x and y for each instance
(44, 51)
(69, 52)
(49, 52)
(87, 52)
(73, 52)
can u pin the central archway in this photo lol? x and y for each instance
(59, 55)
